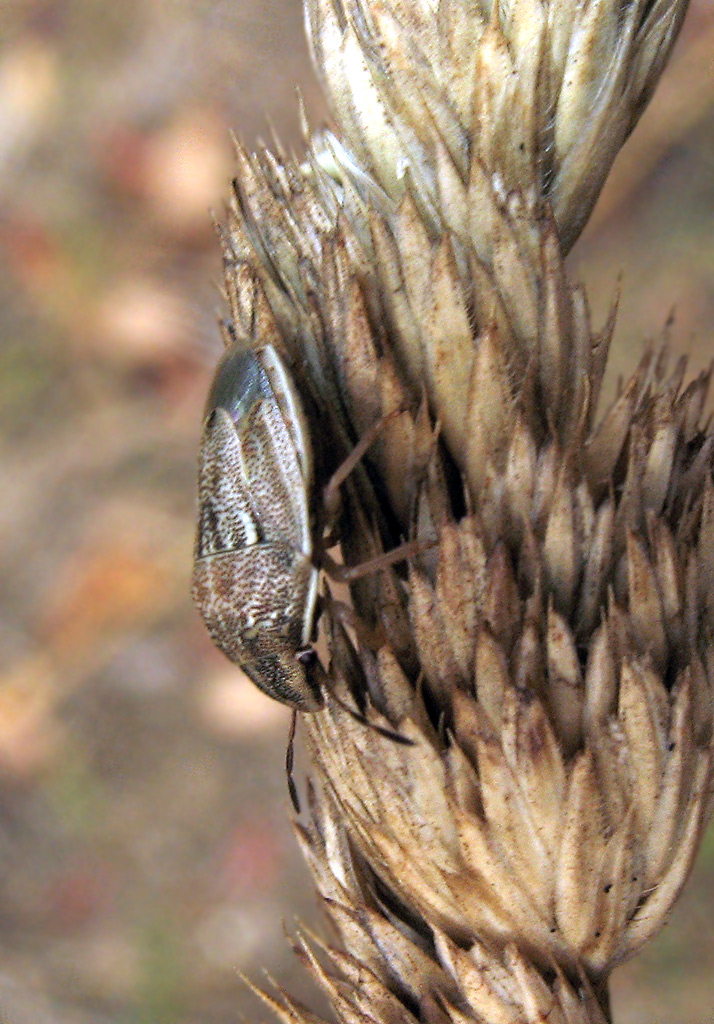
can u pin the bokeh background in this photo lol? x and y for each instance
(145, 854)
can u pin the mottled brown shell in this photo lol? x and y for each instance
(254, 583)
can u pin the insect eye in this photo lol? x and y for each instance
(308, 657)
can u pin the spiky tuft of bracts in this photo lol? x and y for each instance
(550, 652)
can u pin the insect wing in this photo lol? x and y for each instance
(226, 517)
(256, 604)
(275, 482)
(255, 390)
(287, 398)
(243, 378)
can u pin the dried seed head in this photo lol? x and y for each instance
(449, 95)
(552, 655)
(553, 634)
(393, 971)
(560, 631)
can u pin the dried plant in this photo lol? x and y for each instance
(549, 653)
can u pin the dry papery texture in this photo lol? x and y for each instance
(550, 656)
(447, 93)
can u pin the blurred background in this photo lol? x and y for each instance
(145, 853)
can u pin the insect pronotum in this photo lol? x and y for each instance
(255, 580)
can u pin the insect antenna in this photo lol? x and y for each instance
(290, 764)
(389, 734)
(310, 660)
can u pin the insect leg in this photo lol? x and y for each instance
(389, 734)
(372, 637)
(331, 493)
(350, 573)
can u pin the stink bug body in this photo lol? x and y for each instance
(254, 581)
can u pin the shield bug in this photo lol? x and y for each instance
(254, 580)
(256, 571)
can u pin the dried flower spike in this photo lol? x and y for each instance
(551, 657)
(450, 95)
